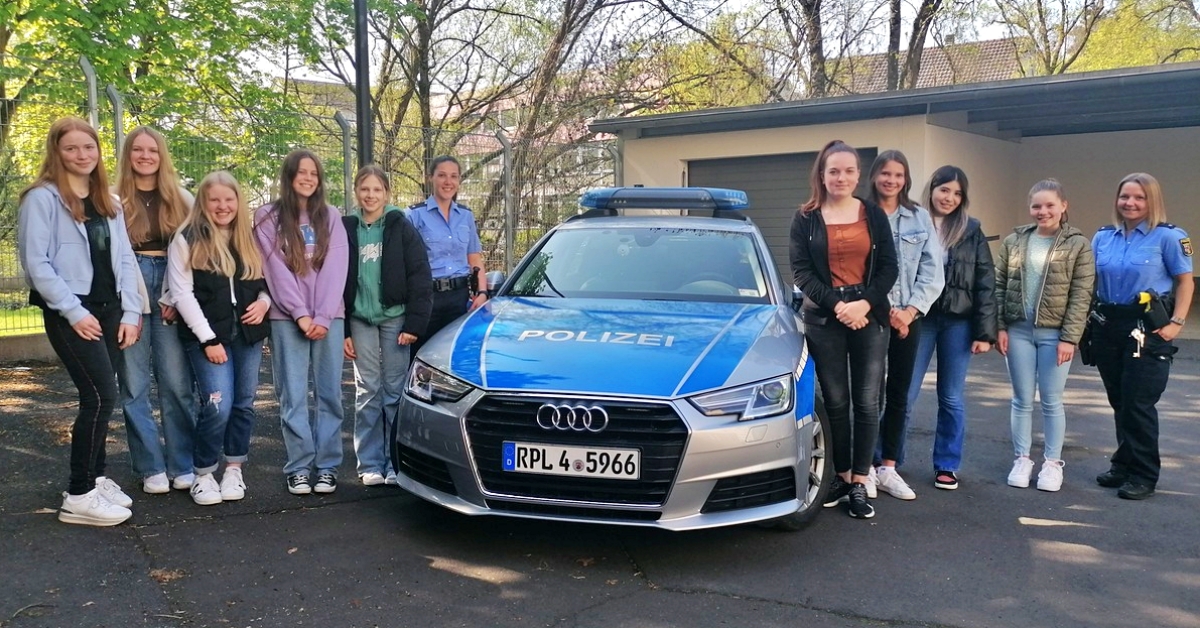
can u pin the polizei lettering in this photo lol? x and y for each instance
(609, 337)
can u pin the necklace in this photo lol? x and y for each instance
(147, 197)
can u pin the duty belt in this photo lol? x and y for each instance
(450, 283)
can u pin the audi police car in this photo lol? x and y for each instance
(642, 369)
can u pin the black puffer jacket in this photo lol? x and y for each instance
(406, 277)
(970, 284)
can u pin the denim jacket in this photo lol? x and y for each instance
(54, 251)
(920, 254)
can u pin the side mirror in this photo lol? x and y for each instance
(495, 279)
(797, 298)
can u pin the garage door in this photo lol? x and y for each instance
(776, 184)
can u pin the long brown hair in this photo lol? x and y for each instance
(287, 214)
(53, 172)
(174, 208)
(212, 251)
(877, 166)
(954, 226)
(816, 180)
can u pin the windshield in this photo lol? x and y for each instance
(646, 263)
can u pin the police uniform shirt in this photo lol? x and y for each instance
(449, 242)
(1146, 260)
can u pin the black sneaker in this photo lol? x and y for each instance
(946, 480)
(839, 489)
(298, 484)
(326, 483)
(859, 506)
(1133, 489)
(1111, 479)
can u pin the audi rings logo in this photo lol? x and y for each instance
(564, 417)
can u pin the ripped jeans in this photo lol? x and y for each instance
(226, 417)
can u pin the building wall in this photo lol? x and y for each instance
(1089, 167)
(1001, 172)
(991, 167)
(663, 161)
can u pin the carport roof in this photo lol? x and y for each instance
(1092, 102)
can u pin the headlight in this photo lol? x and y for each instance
(752, 401)
(429, 384)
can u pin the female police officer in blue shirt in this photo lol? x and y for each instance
(455, 251)
(1139, 253)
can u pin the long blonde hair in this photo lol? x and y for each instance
(53, 172)
(174, 208)
(210, 250)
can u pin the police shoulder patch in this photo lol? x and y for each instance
(1186, 245)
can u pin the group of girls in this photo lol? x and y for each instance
(887, 283)
(144, 281)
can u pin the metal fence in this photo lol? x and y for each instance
(516, 189)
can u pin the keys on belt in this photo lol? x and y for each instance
(1139, 337)
(450, 283)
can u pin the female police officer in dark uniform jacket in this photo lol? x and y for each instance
(1131, 346)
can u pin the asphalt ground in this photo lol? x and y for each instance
(984, 555)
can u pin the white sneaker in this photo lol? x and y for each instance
(890, 482)
(205, 491)
(1050, 478)
(91, 509)
(391, 480)
(373, 479)
(233, 487)
(183, 482)
(112, 492)
(872, 483)
(1021, 472)
(156, 484)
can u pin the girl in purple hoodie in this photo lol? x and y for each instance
(305, 258)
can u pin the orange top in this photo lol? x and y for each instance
(849, 248)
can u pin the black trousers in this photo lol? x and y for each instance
(850, 369)
(1134, 386)
(93, 366)
(447, 307)
(901, 357)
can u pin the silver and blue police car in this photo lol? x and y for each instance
(643, 365)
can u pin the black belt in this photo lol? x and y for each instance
(846, 291)
(1129, 310)
(450, 283)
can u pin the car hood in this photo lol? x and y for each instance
(603, 346)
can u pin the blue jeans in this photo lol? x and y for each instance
(312, 443)
(226, 419)
(951, 337)
(1033, 367)
(160, 351)
(379, 373)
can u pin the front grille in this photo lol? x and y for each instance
(426, 469)
(654, 429)
(550, 510)
(751, 490)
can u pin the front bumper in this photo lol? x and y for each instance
(698, 471)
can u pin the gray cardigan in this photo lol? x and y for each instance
(54, 252)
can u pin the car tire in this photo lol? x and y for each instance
(393, 433)
(820, 468)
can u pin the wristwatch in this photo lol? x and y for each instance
(1178, 320)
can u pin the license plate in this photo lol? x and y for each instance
(586, 462)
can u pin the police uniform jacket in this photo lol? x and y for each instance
(1067, 281)
(809, 254)
(406, 276)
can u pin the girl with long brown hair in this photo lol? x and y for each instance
(81, 271)
(305, 258)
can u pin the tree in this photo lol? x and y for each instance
(1054, 32)
(1143, 32)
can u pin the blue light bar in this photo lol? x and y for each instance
(714, 199)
